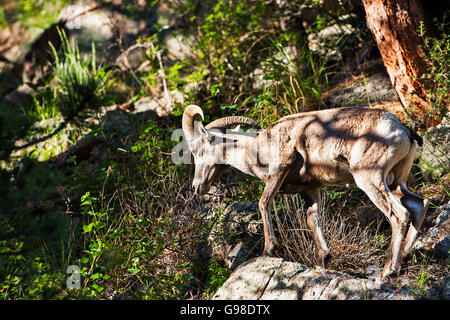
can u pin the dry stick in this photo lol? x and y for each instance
(161, 71)
(127, 62)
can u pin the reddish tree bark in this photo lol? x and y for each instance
(394, 25)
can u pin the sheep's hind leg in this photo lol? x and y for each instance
(417, 207)
(375, 187)
(312, 201)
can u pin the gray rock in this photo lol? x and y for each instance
(13, 38)
(437, 238)
(357, 91)
(267, 278)
(145, 104)
(341, 288)
(88, 22)
(248, 282)
(327, 34)
(239, 254)
(443, 215)
(284, 285)
(446, 288)
(159, 106)
(21, 96)
(233, 239)
(85, 15)
(178, 46)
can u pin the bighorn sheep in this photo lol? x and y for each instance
(302, 152)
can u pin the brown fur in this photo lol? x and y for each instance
(303, 152)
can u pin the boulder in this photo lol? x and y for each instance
(13, 39)
(147, 104)
(234, 236)
(21, 96)
(271, 278)
(159, 105)
(178, 46)
(437, 238)
(249, 281)
(89, 16)
(88, 22)
(359, 90)
(328, 34)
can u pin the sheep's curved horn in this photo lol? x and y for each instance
(227, 122)
(188, 121)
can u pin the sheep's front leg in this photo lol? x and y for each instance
(265, 204)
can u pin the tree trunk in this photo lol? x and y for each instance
(394, 25)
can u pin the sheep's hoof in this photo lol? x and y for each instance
(268, 249)
(389, 273)
(266, 254)
(325, 259)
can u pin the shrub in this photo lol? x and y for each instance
(353, 245)
(140, 228)
(80, 84)
(436, 52)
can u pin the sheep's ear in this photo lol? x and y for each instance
(202, 130)
(199, 129)
(205, 133)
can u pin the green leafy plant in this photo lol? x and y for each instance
(80, 89)
(37, 14)
(436, 53)
(217, 275)
(300, 80)
(419, 288)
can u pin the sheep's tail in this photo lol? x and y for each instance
(414, 136)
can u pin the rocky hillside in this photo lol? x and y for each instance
(89, 129)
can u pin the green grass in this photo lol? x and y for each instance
(80, 83)
(119, 251)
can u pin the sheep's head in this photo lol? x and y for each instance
(205, 147)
